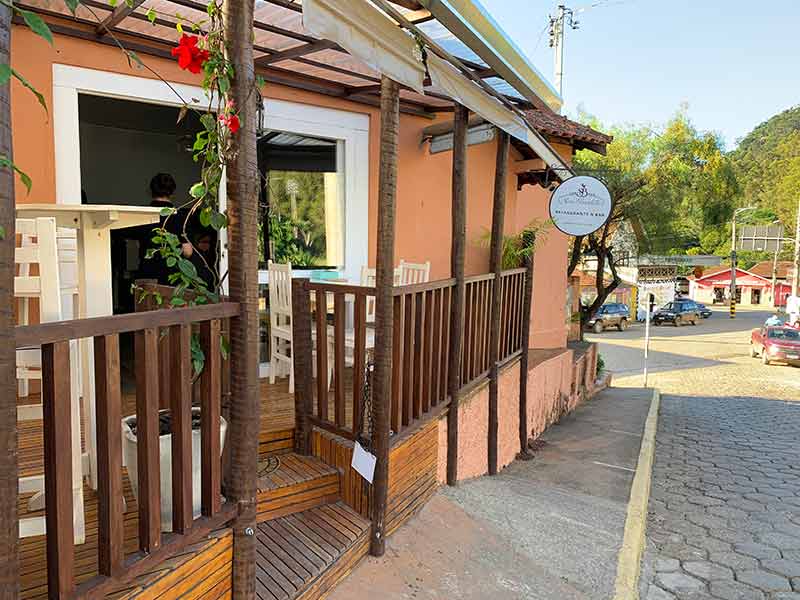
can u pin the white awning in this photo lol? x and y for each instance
(467, 93)
(370, 36)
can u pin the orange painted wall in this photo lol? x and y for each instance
(423, 205)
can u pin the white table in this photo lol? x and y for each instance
(94, 223)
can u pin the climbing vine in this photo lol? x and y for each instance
(201, 50)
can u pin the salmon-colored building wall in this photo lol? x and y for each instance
(424, 183)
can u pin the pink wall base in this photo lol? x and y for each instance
(556, 386)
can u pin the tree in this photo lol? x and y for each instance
(673, 187)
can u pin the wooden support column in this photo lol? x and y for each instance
(384, 313)
(524, 430)
(496, 267)
(242, 192)
(302, 355)
(458, 247)
(9, 525)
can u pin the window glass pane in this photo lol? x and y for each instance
(302, 205)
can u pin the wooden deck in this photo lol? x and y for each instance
(296, 552)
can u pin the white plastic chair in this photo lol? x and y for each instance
(40, 247)
(280, 320)
(412, 273)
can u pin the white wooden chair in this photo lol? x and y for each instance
(280, 320)
(40, 247)
(412, 273)
(368, 280)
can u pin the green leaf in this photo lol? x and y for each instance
(72, 5)
(5, 74)
(224, 85)
(197, 191)
(218, 221)
(150, 253)
(177, 301)
(172, 261)
(209, 121)
(27, 84)
(37, 25)
(205, 216)
(2, 232)
(135, 58)
(112, 3)
(167, 211)
(187, 268)
(151, 16)
(179, 27)
(224, 346)
(7, 163)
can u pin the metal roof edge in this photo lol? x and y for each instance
(474, 26)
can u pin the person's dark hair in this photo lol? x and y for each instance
(162, 185)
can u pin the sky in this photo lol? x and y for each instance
(735, 63)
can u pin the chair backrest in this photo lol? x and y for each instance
(38, 246)
(411, 273)
(368, 279)
(280, 293)
(67, 245)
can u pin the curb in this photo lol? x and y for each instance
(630, 555)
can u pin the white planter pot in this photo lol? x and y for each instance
(130, 457)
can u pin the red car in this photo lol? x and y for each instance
(776, 344)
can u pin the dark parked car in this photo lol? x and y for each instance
(678, 312)
(613, 314)
(705, 312)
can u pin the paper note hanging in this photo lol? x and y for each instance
(363, 462)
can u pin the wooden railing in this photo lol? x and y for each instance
(114, 568)
(338, 338)
(331, 354)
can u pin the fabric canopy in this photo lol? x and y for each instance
(370, 36)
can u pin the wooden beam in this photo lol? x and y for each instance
(9, 525)
(457, 252)
(245, 403)
(384, 313)
(496, 267)
(120, 12)
(447, 126)
(409, 4)
(527, 300)
(296, 51)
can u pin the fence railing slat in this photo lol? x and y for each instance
(147, 433)
(359, 360)
(339, 359)
(210, 409)
(321, 300)
(397, 363)
(58, 473)
(108, 397)
(181, 419)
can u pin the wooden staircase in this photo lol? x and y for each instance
(308, 538)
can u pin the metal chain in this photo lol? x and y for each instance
(366, 415)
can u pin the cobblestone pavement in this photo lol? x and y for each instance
(724, 514)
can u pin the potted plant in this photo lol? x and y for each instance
(130, 457)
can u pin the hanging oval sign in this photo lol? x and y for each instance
(580, 205)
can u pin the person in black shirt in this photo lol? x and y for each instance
(162, 188)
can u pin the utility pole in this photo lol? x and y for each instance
(733, 258)
(564, 16)
(775, 266)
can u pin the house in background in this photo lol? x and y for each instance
(783, 271)
(713, 287)
(113, 126)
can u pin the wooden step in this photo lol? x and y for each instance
(298, 483)
(302, 556)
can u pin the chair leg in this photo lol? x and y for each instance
(273, 363)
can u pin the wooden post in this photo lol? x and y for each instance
(458, 246)
(9, 520)
(242, 191)
(384, 313)
(302, 352)
(523, 361)
(496, 267)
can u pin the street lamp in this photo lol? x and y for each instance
(733, 258)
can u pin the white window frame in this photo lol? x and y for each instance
(349, 129)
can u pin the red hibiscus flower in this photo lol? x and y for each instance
(190, 57)
(231, 122)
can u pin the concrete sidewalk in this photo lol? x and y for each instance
(549, 528)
